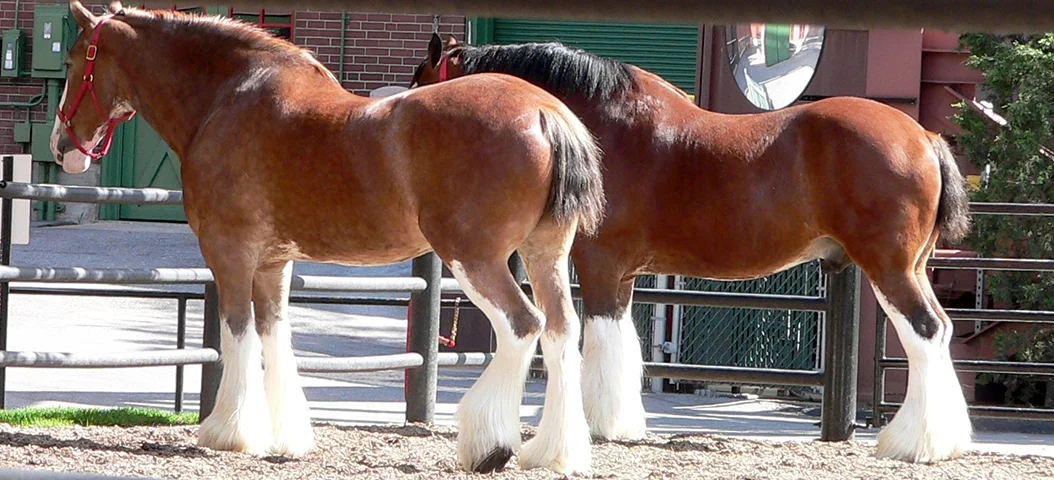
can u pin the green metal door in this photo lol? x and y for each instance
(146, 161)
(141, 159)
(665, 49)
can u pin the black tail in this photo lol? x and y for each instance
(953, 212)
(578, 188)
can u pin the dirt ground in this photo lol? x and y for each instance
(429, 453)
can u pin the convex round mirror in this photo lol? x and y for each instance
(772, 63)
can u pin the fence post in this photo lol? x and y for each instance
(211, 373)
(519, 272)
(421, 382)
(841, 355)
(880, 372)
(7, 211)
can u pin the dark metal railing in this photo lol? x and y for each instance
(882, 363)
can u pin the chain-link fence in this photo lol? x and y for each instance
(754, 338)
(741, 337)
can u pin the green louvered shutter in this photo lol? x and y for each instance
(666, 50)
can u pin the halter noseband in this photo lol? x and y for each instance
(88, 85)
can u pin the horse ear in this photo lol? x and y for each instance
(82, 15)
(451, 42)
(115, 6)
(435, 49)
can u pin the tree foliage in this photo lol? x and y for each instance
(1019, 84)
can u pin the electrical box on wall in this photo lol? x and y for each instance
(13, 53)
(53, 32)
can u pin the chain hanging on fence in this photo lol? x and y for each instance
(451, 342)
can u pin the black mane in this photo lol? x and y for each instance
(557, 68)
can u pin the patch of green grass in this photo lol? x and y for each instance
(121, 417)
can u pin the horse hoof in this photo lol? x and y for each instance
(495, 461)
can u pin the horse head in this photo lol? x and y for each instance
(94, 102)
(443, 62)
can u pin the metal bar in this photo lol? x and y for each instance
(674, 371)
(181, 343)
(519, 272)
(106, 275)
(76, 194)
(423, 339)
(463, 359)
(1010, 264)
(982, 366)
(841, 356)
(994, 412)
(1020, 316)
(156, 358)
(210, 338)
(367, 301)
(719, 299)
(6, 211)
(195, 276)
(880, 371)
(724, 299)
(358, 284)
(306, 299)
(1016, 209)
(371, 363)
(711, 373)
(105, 292)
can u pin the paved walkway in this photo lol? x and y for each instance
(93, 324)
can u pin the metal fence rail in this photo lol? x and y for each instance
(882, 362)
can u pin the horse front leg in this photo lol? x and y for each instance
(240, 420)
(613, 364)
(290, 416)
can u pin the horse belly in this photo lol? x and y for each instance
(720, 262)
(352, 241)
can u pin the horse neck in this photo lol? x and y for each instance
(173, 81)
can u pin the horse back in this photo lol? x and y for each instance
(362, 181)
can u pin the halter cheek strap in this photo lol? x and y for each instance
(88, 86)
(444, 61)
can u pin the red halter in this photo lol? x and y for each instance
(88, 86)
(443, 60)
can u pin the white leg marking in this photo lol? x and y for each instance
(562, 443)
(290, 418)
(933, 424)
(611, 379)
(240, 421)
(488, 416)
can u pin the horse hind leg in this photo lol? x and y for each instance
(933, 424)
(240, 420)
(488, 416)
(613, 367)
(290, 417)
(562, 443)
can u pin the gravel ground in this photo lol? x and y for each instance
(429, 453)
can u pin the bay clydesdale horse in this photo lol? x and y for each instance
(733, 197)
(280, 163)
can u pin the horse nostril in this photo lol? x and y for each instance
(64, 145)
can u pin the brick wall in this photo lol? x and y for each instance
(18, 89)
(379, 50)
